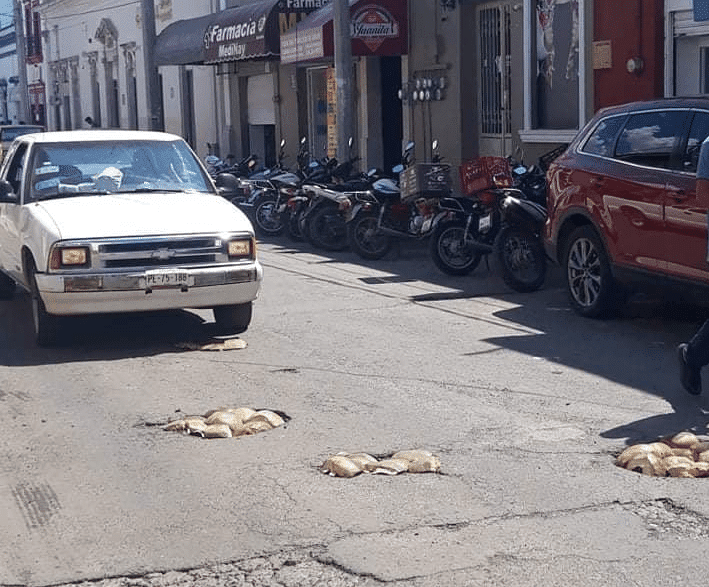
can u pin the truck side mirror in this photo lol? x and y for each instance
(7, 193)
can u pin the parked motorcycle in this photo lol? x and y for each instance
(323, 220)
(410, 209)
(265, 193)
(504, 215)
(294, 206)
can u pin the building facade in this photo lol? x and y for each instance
(503, 77)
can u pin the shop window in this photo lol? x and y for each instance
(554, 98)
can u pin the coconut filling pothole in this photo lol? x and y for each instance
(682, 455)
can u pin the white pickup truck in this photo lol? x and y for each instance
(120, 221)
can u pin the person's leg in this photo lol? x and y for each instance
(692, 356)
(698, 347)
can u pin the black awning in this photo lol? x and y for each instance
(234, 34)
(182, 42)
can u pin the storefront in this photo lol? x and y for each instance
(379, 31)
(242, 44)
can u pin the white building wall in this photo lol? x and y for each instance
(71, 32)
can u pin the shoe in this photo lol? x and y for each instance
(689, 376)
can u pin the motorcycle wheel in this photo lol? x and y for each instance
(266, 217)
(365, 238)
(450, 253)
(328, 229)
(522, 259)
(293, 225)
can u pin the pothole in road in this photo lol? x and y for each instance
(345, 464)
(681, 455)
(228, 422)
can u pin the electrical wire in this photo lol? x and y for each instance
(92, 10)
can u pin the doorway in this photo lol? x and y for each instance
(392, 115)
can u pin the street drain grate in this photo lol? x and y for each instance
(229, 422)
(681, 455)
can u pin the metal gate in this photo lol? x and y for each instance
(495, 70)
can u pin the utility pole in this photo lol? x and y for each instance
(343, 77)
(152, 81)
(21, 50)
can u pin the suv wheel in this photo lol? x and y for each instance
(592, 290)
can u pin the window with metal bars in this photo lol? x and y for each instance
(495, 74)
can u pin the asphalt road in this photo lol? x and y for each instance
(524, 402)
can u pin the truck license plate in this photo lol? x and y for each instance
(158, 279)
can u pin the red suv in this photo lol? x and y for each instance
(622, 203)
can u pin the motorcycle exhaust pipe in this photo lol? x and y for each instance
(481, 247)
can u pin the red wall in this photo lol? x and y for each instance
(635, 29)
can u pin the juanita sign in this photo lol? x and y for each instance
(378, 27)
(373, 25)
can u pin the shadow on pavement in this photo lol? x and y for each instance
(97, 337)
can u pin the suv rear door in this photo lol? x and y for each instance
(632, 187)
(685, 221)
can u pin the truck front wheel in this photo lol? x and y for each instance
(46, 326)
(233, 319)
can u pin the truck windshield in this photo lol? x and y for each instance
(92, 167)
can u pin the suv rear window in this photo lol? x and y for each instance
(651, 138)
(602, 139)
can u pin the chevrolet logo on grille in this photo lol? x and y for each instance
(163, 254)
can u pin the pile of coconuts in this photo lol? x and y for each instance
(345, 464)
(228, 423)
(681, 455)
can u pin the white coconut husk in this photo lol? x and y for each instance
(703, 457)
(234, 421)
(431, 464)
(340, 466)
(391, 467)
(213, 345)
(683, 440)
(175, 426)
(647, 463)
(678, 466)
(219, 409)
(685, 472)
(217, 431)
(256, 426)
(195, 425)
(266, 416)
(412, 455)
(242, 413)
(687, 453)
(363, 460)
(632, 452)
(660, 449)
(700, 469)
(700, 447)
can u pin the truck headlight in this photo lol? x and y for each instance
(63, 257)
(241, 249)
